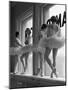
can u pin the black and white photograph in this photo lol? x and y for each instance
(37, 44)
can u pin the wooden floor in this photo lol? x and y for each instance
(24, 81)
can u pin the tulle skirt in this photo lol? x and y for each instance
(15, 50)
(53, 42)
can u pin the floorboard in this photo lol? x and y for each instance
(26, 81)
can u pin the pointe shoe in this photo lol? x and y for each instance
(54, 72)
(25, 69)
(38, 71)
(51, 74)
(41, 75)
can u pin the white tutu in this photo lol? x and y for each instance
(53, 42)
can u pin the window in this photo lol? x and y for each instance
(26, 21)
(48, 11)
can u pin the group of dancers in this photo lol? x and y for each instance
(50, 39)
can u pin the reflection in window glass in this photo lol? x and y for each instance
(60, 60)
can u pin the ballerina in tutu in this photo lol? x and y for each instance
(52, 40)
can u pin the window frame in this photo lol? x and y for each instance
(28, 13)
(46, 7)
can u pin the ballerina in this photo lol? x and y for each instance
(54, 40)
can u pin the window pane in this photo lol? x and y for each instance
(60, 60)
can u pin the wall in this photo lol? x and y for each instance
(12, 36)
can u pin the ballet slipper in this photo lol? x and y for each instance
(54, 72)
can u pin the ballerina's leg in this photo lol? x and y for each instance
(46, 57)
